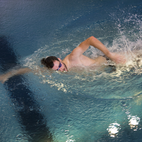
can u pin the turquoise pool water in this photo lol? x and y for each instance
(101, 106)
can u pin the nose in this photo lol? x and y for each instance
(60, 69)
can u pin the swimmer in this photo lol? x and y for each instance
(74, 59)
(77, 59)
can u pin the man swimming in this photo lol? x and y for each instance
(74, 59)
(77, 59)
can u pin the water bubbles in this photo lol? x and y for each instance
(113, 129)
(21, 138)
(70, 139)
(133, 122)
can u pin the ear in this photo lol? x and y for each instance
(59, 59)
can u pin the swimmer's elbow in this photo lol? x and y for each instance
(91, 38)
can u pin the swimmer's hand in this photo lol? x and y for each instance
(3, 78)
(117, 58)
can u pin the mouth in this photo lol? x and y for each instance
(66, 69)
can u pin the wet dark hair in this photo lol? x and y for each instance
(48, 62)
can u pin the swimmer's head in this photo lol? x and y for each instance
(54, 63)
(49, 61)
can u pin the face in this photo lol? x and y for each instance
(59, 66)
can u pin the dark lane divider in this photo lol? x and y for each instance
(28, 111)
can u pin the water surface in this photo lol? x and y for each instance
(69, 107)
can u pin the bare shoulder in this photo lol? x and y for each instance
(77, 52)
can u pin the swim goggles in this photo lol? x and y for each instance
(60, 65)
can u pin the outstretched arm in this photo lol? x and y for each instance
(92, 41)
(85, 45)
(6, 76)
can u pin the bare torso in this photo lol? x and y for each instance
(84, 61)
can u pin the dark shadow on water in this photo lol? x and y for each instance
(28, 111)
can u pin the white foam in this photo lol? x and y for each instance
(134, 122)
(113, 129)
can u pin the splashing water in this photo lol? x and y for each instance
(92, 81)
(134, 122)
(113, 129)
